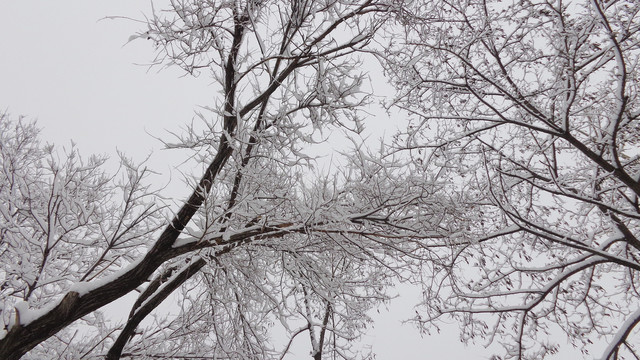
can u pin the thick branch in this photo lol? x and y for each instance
(622, 335)
(139, 313)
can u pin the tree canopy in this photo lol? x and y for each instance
(510, 198)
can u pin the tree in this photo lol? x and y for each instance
(535, 104)
(61, 222)
(262, 240)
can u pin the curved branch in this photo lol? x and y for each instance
(621, 337)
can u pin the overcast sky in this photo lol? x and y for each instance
(64, 64)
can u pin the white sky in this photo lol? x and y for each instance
(61, 64)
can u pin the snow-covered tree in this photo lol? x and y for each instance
(63, 221)
(535, 104)
(262, 244)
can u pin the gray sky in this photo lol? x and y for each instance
(63, 65)
(67, 66)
